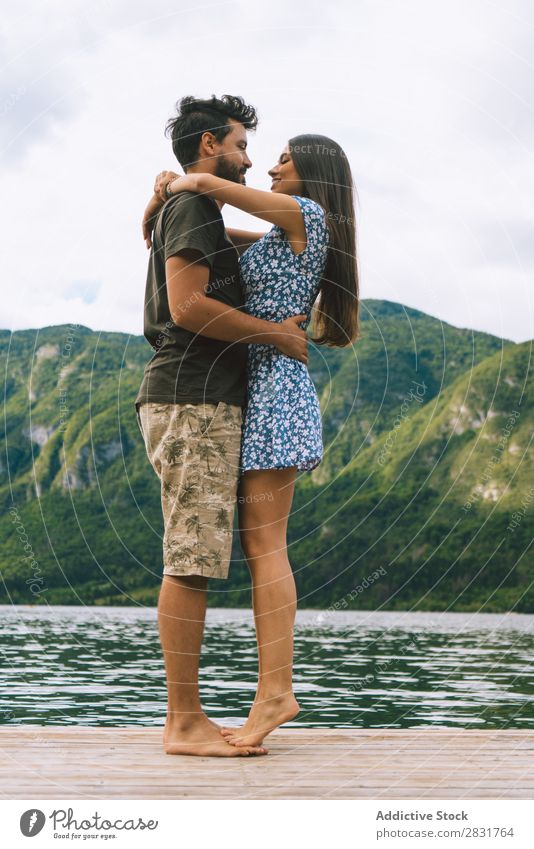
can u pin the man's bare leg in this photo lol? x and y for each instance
(181, 618)
(263, 518)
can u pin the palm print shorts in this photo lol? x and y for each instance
(194, 450)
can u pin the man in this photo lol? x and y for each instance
(189, 405)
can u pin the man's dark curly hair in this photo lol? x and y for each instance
(195, 117)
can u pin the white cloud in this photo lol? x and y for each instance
(433, 104)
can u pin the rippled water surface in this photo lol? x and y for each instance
(103, 666)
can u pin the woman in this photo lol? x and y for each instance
(308, 256)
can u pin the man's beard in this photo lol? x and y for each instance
(229, 171)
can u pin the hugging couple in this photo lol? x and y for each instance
(227, 409)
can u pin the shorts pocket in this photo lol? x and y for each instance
(138, 417)
(209, 418)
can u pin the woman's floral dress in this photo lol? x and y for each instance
(282, 421)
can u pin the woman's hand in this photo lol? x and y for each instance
(188, 183)
(160, 184)
(149, 218)
(155, 203)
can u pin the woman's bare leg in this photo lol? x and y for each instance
(265, 498)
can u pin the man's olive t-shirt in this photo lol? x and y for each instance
(188, 366)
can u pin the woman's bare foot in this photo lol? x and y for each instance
(264, 717)
(198, 736)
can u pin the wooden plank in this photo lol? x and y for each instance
(129, 762)
(142, 731)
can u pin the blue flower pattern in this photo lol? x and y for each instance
(282, 420)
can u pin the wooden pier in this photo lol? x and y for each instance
(80, 762)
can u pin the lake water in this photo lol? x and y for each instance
(103, 666)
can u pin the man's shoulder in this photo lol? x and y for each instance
(191, 203)
(190, 219)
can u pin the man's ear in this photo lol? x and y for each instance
(207, 142)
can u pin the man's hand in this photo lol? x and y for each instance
(291, 340)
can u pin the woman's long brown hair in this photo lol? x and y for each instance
(325, 172)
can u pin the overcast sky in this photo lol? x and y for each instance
(432, 101)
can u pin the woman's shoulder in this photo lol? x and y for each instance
(311, 206)
(315, 222)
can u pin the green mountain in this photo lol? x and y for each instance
(401, 351)
(423, 501)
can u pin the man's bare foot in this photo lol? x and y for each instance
(263, 718)
(211, 722)
(198, 736)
